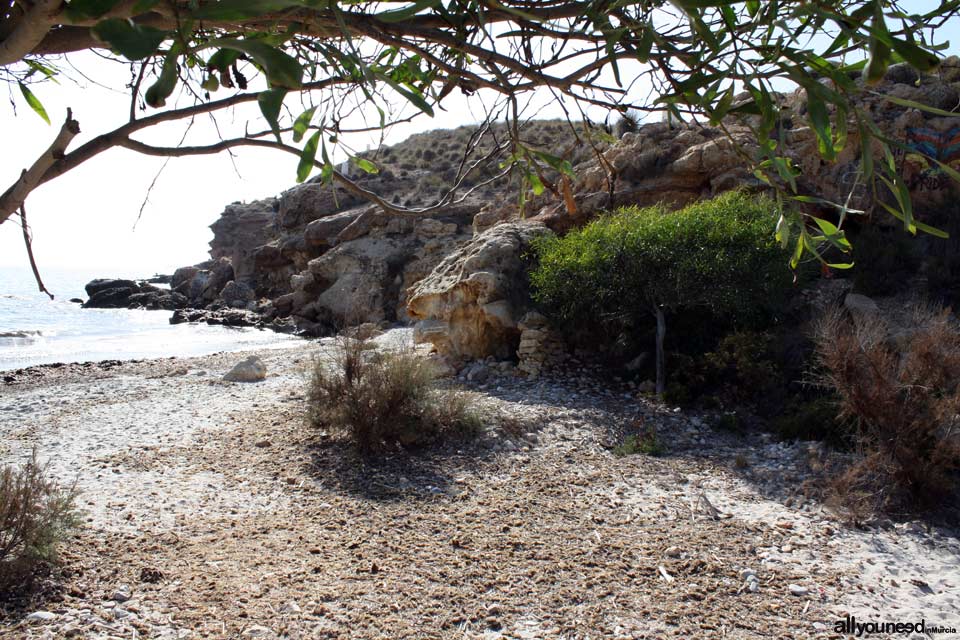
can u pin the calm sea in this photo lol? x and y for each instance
(37, 330)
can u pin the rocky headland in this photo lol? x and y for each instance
(317, 258)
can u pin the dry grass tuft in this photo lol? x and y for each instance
(901, 391)
(35, 516)
(386, 399)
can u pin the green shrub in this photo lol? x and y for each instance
(714, 258)
(35, 516)
(386, 399)
(646, 443)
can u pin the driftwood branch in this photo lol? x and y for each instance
(13, 198)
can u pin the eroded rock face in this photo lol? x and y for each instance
(319, 258)
(239, 230)
(470, 304)
(678, 164)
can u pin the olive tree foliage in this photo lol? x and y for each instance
(304, 61)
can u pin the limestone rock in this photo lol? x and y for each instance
(250, 369)
(237, 294)
(469, 305)
(312, 201)
(239, 231)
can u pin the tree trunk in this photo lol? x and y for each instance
(661, 332)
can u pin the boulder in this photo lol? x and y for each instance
(324, 232)
(470, 304)
(114, 298)
(237, 294)
(103, 284)
(183, 276)
(351, 283)
(250, 369)
(312, 201)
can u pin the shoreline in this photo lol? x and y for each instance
(260, 525)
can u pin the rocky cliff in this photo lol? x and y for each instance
(317, 258)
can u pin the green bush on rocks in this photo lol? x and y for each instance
(716, 258)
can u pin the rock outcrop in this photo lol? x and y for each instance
(470, 304)
(318, 258)
(116, 293)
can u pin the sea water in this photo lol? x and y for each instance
(37, 330)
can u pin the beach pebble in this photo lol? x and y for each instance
(251, 369)
(797, 590)
(41, 616)
(258, 632)
(672, 552)
(122, 594)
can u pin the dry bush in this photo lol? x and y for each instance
(35, 515)
(384, 399)
(901, 391)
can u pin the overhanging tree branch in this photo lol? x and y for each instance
(14, 197)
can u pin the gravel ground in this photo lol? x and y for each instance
(212, 510)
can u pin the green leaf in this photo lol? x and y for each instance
(270, 102)
(365, 165)
(840, 265)
(222, 59)
(559, 164)
(535, 183)
(833, 235)
(919, 58)
(783, 231)
(242, 9)
(133, 41)
(399, 15)
(820, 120)
(34, 102)
(210, 84)
(156, 96)
(326, 174)
(302, 124)
(797, 252)
(307, 157)
(414, 97)
(79, 9)
(922, 107)
(282, 69)
(645, 43)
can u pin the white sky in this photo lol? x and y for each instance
(86, 217)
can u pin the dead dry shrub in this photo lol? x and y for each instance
(385, 399)
(900, 389)
(36, 514)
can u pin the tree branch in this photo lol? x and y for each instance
(28, 243)
(14, 197)
(29, 32)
